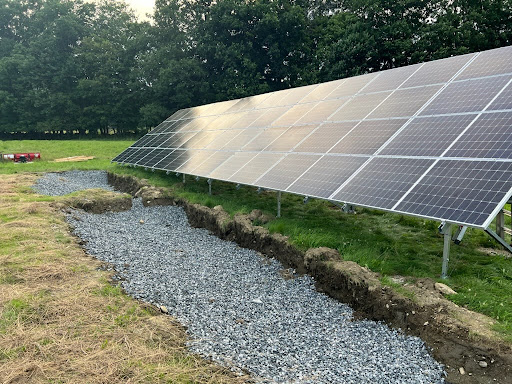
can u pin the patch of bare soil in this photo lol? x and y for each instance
(459, 338)
(62, 320)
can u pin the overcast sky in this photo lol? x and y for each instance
(141, 7)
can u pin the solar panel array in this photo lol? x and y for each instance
(431, 140)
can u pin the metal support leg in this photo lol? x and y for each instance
(447, 232)
(279, 204)
(500, 224)
(499, 239)
(210, 187)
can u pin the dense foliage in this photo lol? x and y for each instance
(79, 67)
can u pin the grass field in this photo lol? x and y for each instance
(387, 243)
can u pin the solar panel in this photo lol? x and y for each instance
(431, 140)
(368, 136)
(382, 182)
(286, 171)
(326, 175)
(466, 96)
(255, 168)
(427, 136)
(460, 191)
(490, 136)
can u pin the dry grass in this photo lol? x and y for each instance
(62, 321)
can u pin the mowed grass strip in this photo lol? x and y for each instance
(62, 320)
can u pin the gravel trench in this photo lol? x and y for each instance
(238, 308)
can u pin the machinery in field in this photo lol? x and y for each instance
(20, 157)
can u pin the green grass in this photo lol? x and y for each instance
(384, 242)
(102, 150)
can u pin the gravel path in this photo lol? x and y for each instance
(238, 308)
(60, 184)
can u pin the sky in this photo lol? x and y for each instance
(141, 7)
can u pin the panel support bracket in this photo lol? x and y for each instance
(459, 234)
(279, 203)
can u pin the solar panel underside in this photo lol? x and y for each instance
(432, 140)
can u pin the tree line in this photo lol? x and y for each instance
(73, 67)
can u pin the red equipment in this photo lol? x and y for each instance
(21, 157)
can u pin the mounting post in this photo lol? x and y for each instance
(500, 224)
(446, 230)
(210, 187)
(278, 203)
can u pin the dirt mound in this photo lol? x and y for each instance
(459, 338)
(97, 201)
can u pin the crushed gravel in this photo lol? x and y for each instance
(62, 183)
(239, 310)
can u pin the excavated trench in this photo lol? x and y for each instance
(458, 338)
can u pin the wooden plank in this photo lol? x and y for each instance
(73, 158)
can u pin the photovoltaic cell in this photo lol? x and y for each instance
(489, 137)
(173, 161)
(225, 170)
(351, 86)
(153, 158)
(124, 155)
(255, 168)
(391, 79)
(489, 63)
(359, 107)
(268, 116)
(404, 102)
(143, 140)
(383, 181)
(290, 138)
(460, 191)
(368, 136)
(241, 139)
(321, 91)
(140, 154)
(178, 140)
(264, 139)
(293, 115)
(427, 136)
(200, 140)
(295, 95)
(503, 101)
(325, 176)
(211, 163)
(286, 171)
(466, 96)
(324, 137)
(321, 111)
(438, 71)
(196, 158)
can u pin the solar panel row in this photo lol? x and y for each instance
(433, 139)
